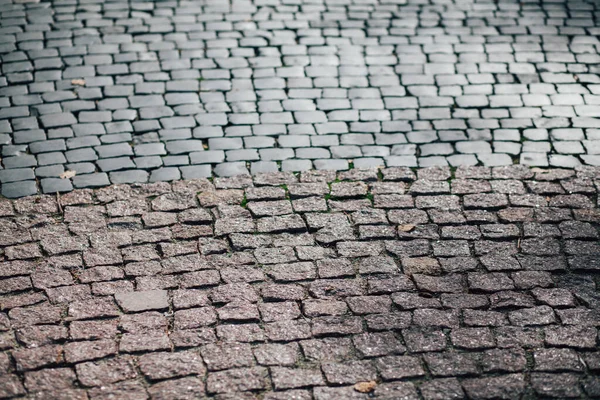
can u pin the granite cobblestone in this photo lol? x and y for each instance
(475, 282)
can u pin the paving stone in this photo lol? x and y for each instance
(16, 174)
(51, 171)
(51, 158)
(20, 161)
(196, 172)
(90, 180)
(19, 189)
(231, 169)
(165, 174)
(337, 165)
(56, 185)
(506, 386)
(115, 164)
(143, 300)
(131, 176)
(172, 91)
(57, 120)
(149, 149)
(296, 165)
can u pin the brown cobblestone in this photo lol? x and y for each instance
(130, 283)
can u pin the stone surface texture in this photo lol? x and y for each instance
(434, 283)
(158, 91)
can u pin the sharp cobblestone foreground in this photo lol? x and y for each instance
(389, 284)
(144, 91)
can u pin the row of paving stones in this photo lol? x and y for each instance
(477, 283)
(160, 91)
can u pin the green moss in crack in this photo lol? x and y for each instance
(452, 174)
(244, 202)
(287, 193)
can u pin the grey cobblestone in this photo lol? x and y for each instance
(55, 185)
(323, 86)
(19, 189)
(131, 176)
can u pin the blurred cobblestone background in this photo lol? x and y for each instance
(139, 91)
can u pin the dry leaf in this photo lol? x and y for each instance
(78, 82)
(68, 174)
(406, 228)
(365, 387)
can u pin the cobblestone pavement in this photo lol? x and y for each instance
(478, 283)
(123, 92)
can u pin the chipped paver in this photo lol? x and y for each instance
(415, 284)
(153, 91)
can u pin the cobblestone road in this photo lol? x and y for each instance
(124, 92)
(476, 283)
